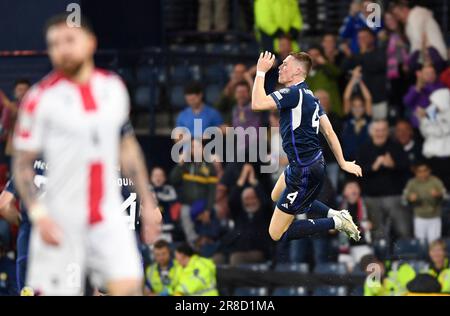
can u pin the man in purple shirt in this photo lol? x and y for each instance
(419, 94)
(243, 116)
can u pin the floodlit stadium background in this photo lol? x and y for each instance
(161, 48)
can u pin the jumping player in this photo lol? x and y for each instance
(77, 117)
(301, 118)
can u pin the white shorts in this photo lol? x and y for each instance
(106, 251)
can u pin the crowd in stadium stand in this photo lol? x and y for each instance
(386, 90)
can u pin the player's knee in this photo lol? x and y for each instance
(274, 195)
(275, 234)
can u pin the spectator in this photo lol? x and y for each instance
(208, 229)
(324, 75)
(435, 128)
(250, 211)
(197, 109)
(212, 12)
(168, 203)
(274, 18)
(162, 276)
(9, 114)
(330, 49)
(373, 67)
(226, 101)
(439, 264)
(243, 116)
(404, 135)
(358, 111)
(386, 281)
(397, 61)
(424, 193)
(445, 77)
(352, 252)
(418, 96)
(356, 20)
(384, 165)
(419, 24)
(277, 154)
(334, 55)
(426, 56)
(197, 181)
(197, 276)
(332, 166)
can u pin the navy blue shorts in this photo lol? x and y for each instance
(303, 185)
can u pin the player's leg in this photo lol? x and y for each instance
(278, 188)
(56, 271)
(343, 219)
(114, 260)
(279, 223)
(23, 239)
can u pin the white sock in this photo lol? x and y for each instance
(337, 222)
(332, 212)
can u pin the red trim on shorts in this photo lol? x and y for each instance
(96, 191)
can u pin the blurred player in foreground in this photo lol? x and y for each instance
(301, 118)
(77, 118)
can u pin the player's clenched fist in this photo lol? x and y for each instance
(265, 61)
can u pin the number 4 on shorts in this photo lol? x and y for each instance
(292, 196)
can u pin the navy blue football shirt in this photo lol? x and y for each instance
(300, 111)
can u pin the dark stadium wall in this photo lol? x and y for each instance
(22, 22)
(119, 24)
(125, 24)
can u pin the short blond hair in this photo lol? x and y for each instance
(303, 58)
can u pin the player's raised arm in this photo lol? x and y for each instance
(133, 166)
(260, 100)
(327, 130)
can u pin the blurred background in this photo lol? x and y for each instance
(180, 56)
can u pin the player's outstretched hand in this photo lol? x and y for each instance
(352, 167)
(151, 225)
(50, 232)
(265, 61)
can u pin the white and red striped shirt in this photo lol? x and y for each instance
(77, 129)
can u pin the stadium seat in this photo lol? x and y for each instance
(142, 96)
(418, 265)
(292, 267)
(145, 74)
(251, 291)
(330, 291)
(357, 291)
(408, 249)
(254, 266)
(212, 93)
(180, 74)
(126, 74)
(331, 268)
(357, 272)
(290, 291)
(447, 242)
(215, 74)
(381, 248)
(177, 97)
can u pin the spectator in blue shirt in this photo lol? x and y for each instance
(197, 109)
(357, 19)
